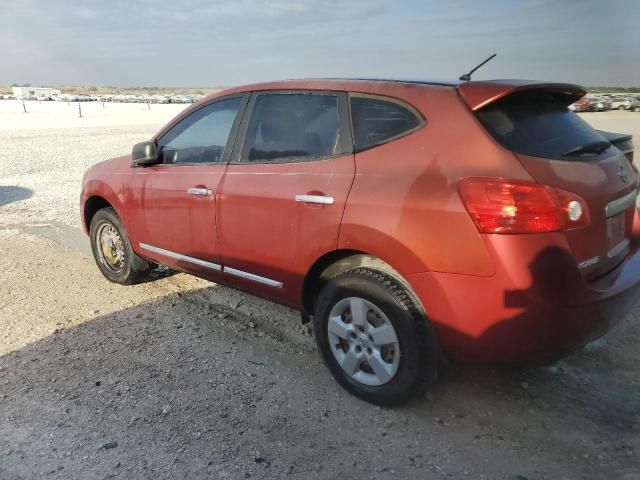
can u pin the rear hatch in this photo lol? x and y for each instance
(622, 141)
(561, 150)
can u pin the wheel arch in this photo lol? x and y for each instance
(91, 207)
(337, 261)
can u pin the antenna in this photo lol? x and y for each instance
(467, 76)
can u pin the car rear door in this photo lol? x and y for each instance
(561, 150)
(174, 201)
(284, 191)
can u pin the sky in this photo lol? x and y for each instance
(211, 43)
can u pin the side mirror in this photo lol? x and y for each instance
(144, 154)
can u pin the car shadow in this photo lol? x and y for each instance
(12, 193)
(159, 272)
(186, 386)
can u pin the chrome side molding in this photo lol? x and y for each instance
(319, 199)
(179, 256)
(621, 204)
(212, 266)
(251, 276)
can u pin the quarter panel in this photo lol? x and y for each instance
(404, 204)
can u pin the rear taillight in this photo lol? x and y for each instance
(513, 206)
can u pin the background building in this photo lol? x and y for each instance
(26, 92)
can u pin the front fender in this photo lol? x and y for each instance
(115, 195)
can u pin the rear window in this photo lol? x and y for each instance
(376, 121)
(539, 124)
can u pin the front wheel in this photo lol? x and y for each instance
(375, 341)
(112, 250)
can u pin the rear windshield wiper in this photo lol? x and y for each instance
(593, 147)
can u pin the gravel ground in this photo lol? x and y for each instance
(53, 115)
(182, 378)
(46, 152)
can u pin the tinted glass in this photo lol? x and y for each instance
(292, 126)
(201, 137)
(539, 124)
(375, 121)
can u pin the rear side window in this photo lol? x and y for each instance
(377, 121)
(202, 136)
(292, 126)
(540, 124)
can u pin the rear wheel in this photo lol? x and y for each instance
(636, 109)
(112, 250)
(375, 341)
(621, 107)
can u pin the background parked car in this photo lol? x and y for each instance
(606, 103)
(181, 99)
(582, 105)
(620, 103)
(635, 105)
(598, 104)
(158, 99)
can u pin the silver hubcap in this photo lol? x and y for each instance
(363, 341)
(110, 247)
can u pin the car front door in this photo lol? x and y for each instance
(284, 190)
(174, 201)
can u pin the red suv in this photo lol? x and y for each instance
(413, 221)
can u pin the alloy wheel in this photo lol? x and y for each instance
(363, 341)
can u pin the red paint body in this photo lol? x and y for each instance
(491, 297)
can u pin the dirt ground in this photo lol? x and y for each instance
(182, 378)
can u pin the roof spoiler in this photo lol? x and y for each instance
(482, 93)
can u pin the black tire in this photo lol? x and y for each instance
(418, 362)
(134, 269)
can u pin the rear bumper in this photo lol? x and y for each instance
(536, 307)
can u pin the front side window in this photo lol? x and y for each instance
(202, 136)
(292, 126)
(376, 121)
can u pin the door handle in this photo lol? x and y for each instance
(199, 191)
(319, 199)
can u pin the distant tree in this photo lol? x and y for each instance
(614, 89)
